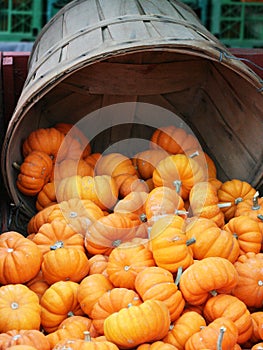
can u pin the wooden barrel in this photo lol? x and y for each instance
(98, 53)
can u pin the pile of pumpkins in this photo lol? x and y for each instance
(148, 252)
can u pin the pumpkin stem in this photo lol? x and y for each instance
(190, 241)
(192, 155)
(224, 205)
(220, 338)
(260, 217)
(143, 217)
(16, 166)
(14, 306)
(87, 336)
(181, 212)
(213, 292)
(238, 200)
(178, 276)
(177, 184)
(255, 205)
(57, 245)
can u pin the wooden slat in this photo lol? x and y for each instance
(131, 79)
(125, 31)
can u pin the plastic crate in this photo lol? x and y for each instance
(53, 6)
(237, 23)
(200, 7)
(20, 20)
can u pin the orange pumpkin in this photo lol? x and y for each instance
(128, 183)
(100, 189)
(19, 308)
(224, 305)
(70, 167)
(59, 302)
(112, 301)
(157, 345)
(108, 232)
(234, 191)
(132, 203)
(210, 240)
(46, 197)
(57, 234)
(221, 331)
(126, 261)
(178, 172)
(146, 161)
(247, 232)
(91, 288)
(71, 328)
(183, 328)
(249, 287)
(39, 219)
(31, 337)
(114, 164)
(47, 140)
(208, 276)
(34, 173)
(157, 283)
(92, 159)
(64, 264)
(98, 264)
(87, 343)
(76, 133)
(162, 201)
(204, 202)
(38, 285)
(78, 213)
(20, 258)
(173, 140)
(251, 207)
(169, 245)
(135, 325)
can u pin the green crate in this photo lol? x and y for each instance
(53, 6)
(237, 24)
(20, 20)
(200, 7)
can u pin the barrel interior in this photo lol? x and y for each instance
(211, 99)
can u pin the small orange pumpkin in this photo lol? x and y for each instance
(20, 258)
(234, 191)
(57, 234)
(47, 140)
(19, 308)
(178, 172)
(204, 202)
(64, 264)
(135, 325)
(34, 173)
(222, 330)
(112, 301)
(157, 283)
(208, 276)
(91, 288)
(59, 302)
(169, 245)
(126, 261)
(181, 329)
(224, 305)
(46, 197)
(250, 280)
(173, 140)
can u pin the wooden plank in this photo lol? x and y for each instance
(114, 124)
(131, 79)
(126, 30)
(233, 101)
